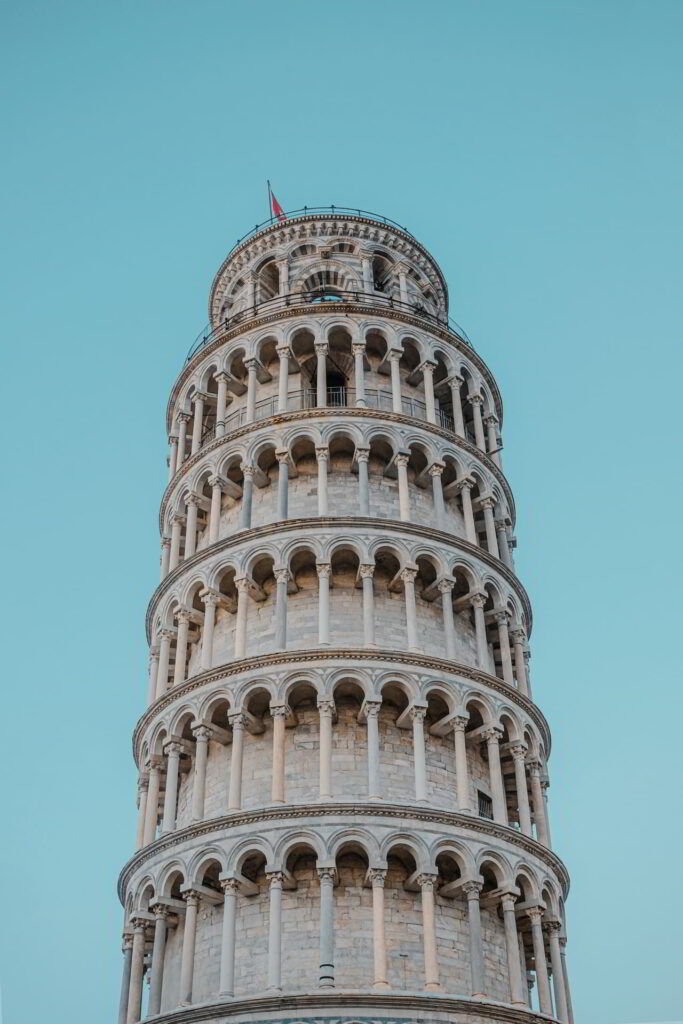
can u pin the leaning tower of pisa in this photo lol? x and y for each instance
(342, 803)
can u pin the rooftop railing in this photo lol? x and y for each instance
(304, 211)
(302, 299)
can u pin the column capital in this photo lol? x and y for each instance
(466, 483)
(237, 720)
(394, 354)
(173, 439)
(427, 366)
(455, 380)
(173, 749)
(160, 910)
(518, 751)
(322, 451)
(230, 886)
(376, 877)
(408, 575)
(222, 377)
(321, 348)
(168, 633)
(192, 499)
(280, 711)
(358, 348)
(182, 614)
(491, 418)
(502, 616)
(472, 888)
(518, 635)
(372, 708)
(417, 713)
(475, 399)
(361, 454)
(154, 763)
(139, 923)
(252, 363)
(209, 597)
(487, 501)
(217, 481)
(494, 732)
(191, 897)
(427, 881)
(324, 570)
(460, 722)
(165, 542)
(402, 459)
(326, 707)
(275, 878)
(200, 396)
(436, 468)
(535, 766)
(507, 901)
(281, 575)
(366, 570)
(535, 913)
(478, 598)
(445, 585)
(184, 417)
(126, 941)
(248, 470)
(283, 351)
(201, 733)
(552, 926)
(327, 874)
(282, 455)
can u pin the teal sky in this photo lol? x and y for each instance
(535, 148)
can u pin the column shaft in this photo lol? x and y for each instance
(561, 1009)
(540, 962)
(215, 513)
(362, 456)
(379, 945)
(324, 571)
(236, 761)
(226, 984)
(136, 974)
(200, 761)
(518, 751)
(429, 932)
(472, 890)
(408, 577)
(125, 981)
(403, 492)
(241, 623)
(325, 710)
(278, 782)
(512, 947)
(497, 789)
(152, 809)
(158, 950)
(181, 647)
(171, 794)
(210, 602)
(418, 716)
(462, 780)
(247, 492)
(372, 719)
(326, 974)
(366, 574)
(189, 939)
(197, 425)
(322, 453)
(275, 932)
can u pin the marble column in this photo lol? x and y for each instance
(428, 380)
(282, 456)
(165, 557)
(367, 571)
(322, 452)
(326, 712)
(201, 735)
(446, 591)
(197, 422)
(281, 581)
(278, 714)
(492, 439)
(251, 365)
(221, 401)
(408, 577)
(465, 488)
(372, 708)
(435, 471)
(183, 616)
(358, 348)
(379, 945)
(189, 938)
(535, 914)
(216, 485)
(283, 276)
(191, 525)
(537, 801)
(143, 791)
(476, 401)
(501, 618)
(427, 885)
(226, 984)
(284, 353)
(242, 585)
(462, 775)
(152, 809)
(247, 493)
(417, 715)
(478, 600)
(517, 995)
(518, 751)
(125, 978)
(471, 891)
(366, 265)
(518, 642)
(362, 459)
(275, 931)
(394, 360)
(486, 504)
(237, 723)
(492, 737)
(458, 419)
(165, 637)
(321, 374)
(210, 600)
(137, 969)
(326, 974)
(565, 976)
(172, 751)
(176, 528)
(503, 546)
(152, 673)
(324, 570)
(403, 492)
(158, 950)
(173, 457)
(553, 929)
(183, 419)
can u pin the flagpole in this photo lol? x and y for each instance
(270, 203)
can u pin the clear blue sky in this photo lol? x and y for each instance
(535, 148)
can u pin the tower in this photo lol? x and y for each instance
(342, 797)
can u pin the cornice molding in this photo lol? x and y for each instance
(363, 308)
(284, 526)
(348, 811)
(342, 413)
(408, 1007)
(263, 662)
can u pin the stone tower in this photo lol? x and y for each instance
(342, 797)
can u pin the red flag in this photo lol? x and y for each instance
(276, 208)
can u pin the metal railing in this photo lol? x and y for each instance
(337, 398)
(305, 211)
(331, 295)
